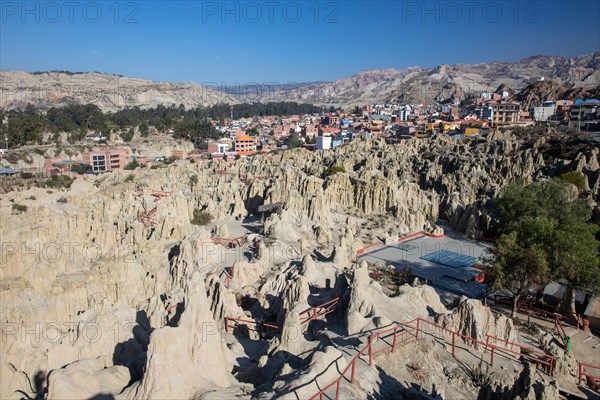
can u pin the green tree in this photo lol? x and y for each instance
(144, 129)
(294, 141)
(574, 177)
(518, 268)
(128, 135)
(552, 228)
(252, 131)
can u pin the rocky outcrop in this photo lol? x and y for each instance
(87, 379)
(529, 385)
(471, 318)
(370, 308)
(188, 360)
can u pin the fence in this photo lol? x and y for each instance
(368, 349)
(258, 326)
(404, 332)
(229, 242)
(402, 239)
(526, 307)
(228, 276)
(593, 378)
(320, 311)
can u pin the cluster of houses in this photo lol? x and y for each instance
(397, 121)
(393, 122)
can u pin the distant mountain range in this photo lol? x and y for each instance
(560, 75)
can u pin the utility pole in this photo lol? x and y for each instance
(6, 141)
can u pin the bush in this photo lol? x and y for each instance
(155, 166)
(59, 181)
(128, 135)
(19, 208)
(61, 200)
(334, 170)
(132, 165)
(169, 160)
(201, 217)
(574, 177)
(129, 178)
(78, 169)
(12, 157)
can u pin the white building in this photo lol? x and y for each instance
(324, 142)
(545, 111)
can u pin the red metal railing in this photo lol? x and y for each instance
(524, 306)
(561, 331)
(364, 249)
(393, 332)
(593, 380)
(229, 242)
(403, 238)
(544, 359)
(320, 310)
(256, 324)
(228, 276)
(401, 330)
(351, 367)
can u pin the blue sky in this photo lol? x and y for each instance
(285, 41)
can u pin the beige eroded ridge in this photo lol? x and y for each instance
(95, 302)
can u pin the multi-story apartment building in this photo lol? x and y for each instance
(245, 145)
(585, 116)
(107, 160)
(502, 113)
(331, 119)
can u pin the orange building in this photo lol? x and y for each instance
(245, 145)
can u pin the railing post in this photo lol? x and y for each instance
(418, 327)
(492, 357)
(370, 351)
(394, 342)
(337, 389)
(453, 343)
(352, 373)
(226, 325)
(580, 372)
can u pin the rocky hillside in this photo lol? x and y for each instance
(445, 82)
(109, 92)
(413, 84)
(536, 93)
